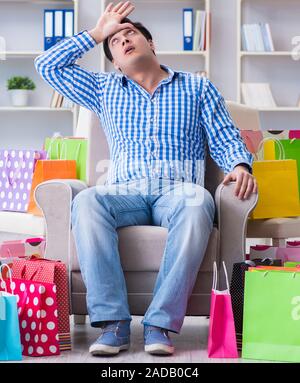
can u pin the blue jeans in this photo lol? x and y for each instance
(185, 209)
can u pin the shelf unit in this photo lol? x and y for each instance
(169, 51)
(20, 58)
(260, 13)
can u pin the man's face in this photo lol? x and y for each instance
(128, 46)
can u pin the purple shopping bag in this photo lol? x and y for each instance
(221, 337)
(16, 172)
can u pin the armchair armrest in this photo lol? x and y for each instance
(232, 220)
(54, 198)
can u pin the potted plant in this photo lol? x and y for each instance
(19, 88)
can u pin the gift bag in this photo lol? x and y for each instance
(37, 309)
(45, 270)
(237, 291)
(69, 148)
(46, 170)
(252, 139)
(221, 337)
(271, 329)
(10, 340)
(294, 134)
(23, 248)
(16, 172)
(278, 188)
(284, 254)
(292, 152)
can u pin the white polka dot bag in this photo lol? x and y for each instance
(37, 310)
(16, 173)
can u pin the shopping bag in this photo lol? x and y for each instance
(252, 139)
(237, 291)
(37, 308)
(294, 134)
(221, 337)
(49, 271)
(23, 248)
(69, 148)
(10, 340)
(284, 254)
(16, 172)
(292, 152)
(271, 329)
(46, 170)
(270, 137)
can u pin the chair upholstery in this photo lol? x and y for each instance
(141, 247)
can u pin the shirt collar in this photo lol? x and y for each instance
(172, 74)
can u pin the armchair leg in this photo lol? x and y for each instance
(278, 242)
(79, 319)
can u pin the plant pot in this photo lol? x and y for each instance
(19, 97)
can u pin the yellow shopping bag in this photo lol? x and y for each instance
(278, 193)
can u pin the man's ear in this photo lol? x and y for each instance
(152, 46)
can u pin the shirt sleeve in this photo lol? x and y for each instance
(225, 143)
(57, 67)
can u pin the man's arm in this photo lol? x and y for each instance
(57, 65)
(226, 145)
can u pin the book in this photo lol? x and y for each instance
(258, 95)
(257, 38)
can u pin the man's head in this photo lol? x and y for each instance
(116, 46)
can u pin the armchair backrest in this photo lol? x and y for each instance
(89, 126)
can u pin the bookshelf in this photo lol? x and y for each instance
(18, 59)
(278, 67)
(153, 15)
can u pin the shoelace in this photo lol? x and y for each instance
(153, 328)
(108, 327)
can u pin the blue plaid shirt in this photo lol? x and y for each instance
(159, 135)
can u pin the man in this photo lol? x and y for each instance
(157, 122)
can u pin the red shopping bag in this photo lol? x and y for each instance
(50, 271)
(222, 337)
(37, 310)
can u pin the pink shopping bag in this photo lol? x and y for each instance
(37, 309)
(221, 337)
(285, 254)
(50, 271)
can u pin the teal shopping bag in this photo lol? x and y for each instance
(10, 339)
(271, 326)
(10, 342)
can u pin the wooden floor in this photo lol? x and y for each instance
(190, 346)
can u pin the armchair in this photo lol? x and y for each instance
(141, 247)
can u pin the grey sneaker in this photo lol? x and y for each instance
(114, 337)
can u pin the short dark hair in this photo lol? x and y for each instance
(137, 25)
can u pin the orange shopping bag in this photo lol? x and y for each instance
(47, 170)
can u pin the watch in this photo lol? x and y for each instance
(245, 166)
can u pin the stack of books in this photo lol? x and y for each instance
(258, 95)
(59, 101)
(257, 38)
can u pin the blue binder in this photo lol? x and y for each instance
(58, 25)
(68, 23)
(48, 28)
(188, 29)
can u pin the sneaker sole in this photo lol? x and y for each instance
(104, 349)
(159, 349)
